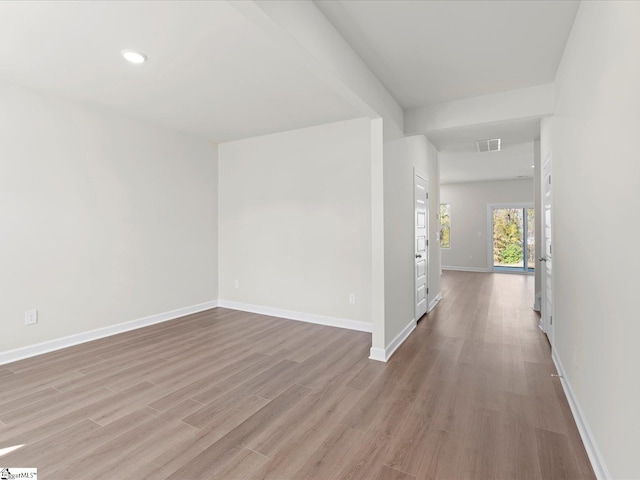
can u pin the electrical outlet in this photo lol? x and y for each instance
(236, 283)
(352, 298)
(31, 317)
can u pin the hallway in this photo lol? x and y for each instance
(488, 406)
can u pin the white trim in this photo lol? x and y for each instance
(382, 355)
(299, 316)
(377, 354)
(595, 457)
(434, 302)
(418, 174)
(77, 338)
(512, 272)
(400, 338)
(546, 316)
(537, 302)
(466, 269)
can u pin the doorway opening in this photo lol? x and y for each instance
(512, 246)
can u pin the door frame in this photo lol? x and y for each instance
(418, 174)
(546, 316)
(490, 208)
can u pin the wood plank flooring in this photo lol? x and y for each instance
(231, 395)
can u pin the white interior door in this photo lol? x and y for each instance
(421, 216)
(546, 261)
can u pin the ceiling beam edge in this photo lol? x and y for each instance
(300, 29)
(520, 104)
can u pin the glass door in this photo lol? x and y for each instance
(513, 239)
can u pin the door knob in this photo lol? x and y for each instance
(542, 259)
(418, 255)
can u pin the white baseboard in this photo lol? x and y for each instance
(377, 354)
(467, 269)
(59, 343)
(300, 316)
(434, 302)
(383, 354)
(512, 272)
(595, 457)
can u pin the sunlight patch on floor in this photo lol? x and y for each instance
(8, 450)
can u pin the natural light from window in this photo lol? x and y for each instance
(445, 225)
(8, 450)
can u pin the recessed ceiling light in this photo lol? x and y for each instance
(134, 56)
(533, 166)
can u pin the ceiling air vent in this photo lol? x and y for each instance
(491, 145)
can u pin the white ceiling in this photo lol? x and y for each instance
(463, 140)
(461, 162)
(511, 162)
(213, 73)
(210, 72)
(433, 52)
(428, 52)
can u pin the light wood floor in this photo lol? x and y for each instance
(230, 395)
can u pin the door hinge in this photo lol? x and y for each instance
(427, 195)
(549, 179)
(427, 243)
(551, 319)
(550, 248)
(427, 291)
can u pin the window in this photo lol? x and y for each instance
(445, 225)
(513, 238)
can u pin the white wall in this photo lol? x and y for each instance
(377, 236)
(400, 158)
(537, 201)
(301, 29)
(103, 219)
(469, 235)
(546, 128)
(295, 220)
(596, 180)
(510, 162)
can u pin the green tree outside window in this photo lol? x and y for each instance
(445, 225)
